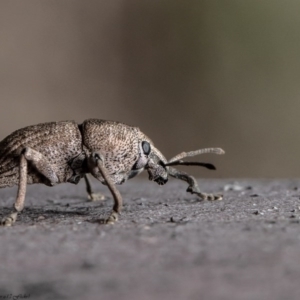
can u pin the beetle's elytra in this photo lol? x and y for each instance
(112, 152)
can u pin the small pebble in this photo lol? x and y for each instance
(233, 187)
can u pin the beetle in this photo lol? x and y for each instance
(113, 152)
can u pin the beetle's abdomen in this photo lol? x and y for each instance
(59, 142)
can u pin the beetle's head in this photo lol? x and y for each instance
(157, 166)
(153, 161)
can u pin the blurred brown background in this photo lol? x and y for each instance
(190, 74)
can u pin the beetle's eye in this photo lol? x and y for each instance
(146, 147)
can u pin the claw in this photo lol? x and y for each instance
(204, 196)
(110, 220)
(214, 197)
(9, 220)
(96, 197)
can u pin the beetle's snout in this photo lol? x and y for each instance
(161, 180)
(158, 174)
(156, 168)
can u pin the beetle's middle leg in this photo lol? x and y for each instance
(193, 187)
(42, 166)
(91, 195)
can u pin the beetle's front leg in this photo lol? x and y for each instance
(97, 162)
(193, 186)
(42, 166)
(19, 204)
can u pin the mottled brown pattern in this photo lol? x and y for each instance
(112, 152)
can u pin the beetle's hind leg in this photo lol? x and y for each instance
(19, 204)
(193, 187)
(42, 166)
(91, 195)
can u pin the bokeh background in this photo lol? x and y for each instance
(190, 74)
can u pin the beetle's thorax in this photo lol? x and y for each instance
(118, 144)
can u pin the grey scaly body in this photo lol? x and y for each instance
(112, 152)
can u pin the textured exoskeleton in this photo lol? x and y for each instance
(112, 152)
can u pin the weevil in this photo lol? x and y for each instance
(112, 152)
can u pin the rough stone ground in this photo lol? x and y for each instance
(167, 244)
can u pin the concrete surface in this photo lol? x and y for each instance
(166, 245)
